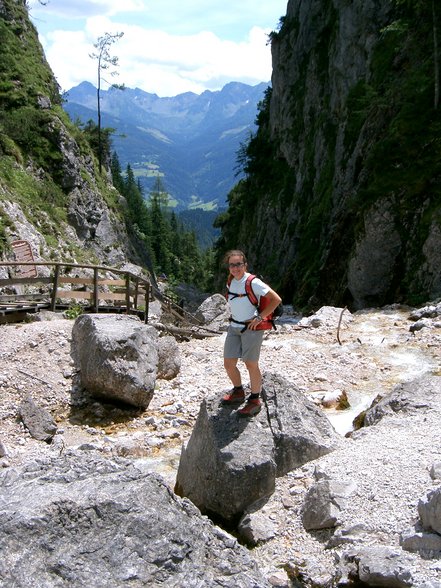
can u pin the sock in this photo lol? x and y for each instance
(254, 396)
(238, 388)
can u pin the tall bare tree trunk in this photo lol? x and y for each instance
(98, 92)
(435, 57)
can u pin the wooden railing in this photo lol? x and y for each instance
(128, 291)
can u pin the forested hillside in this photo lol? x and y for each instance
(53, 191)
(341, 203)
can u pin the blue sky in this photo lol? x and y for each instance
(168, 47)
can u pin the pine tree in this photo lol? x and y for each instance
(115, 169)
(176, 247)
(138, 214)
(191, 256)
(426, 9)
(160, 234)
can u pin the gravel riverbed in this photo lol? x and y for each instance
(388, 463)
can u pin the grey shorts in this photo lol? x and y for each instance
(245, 345)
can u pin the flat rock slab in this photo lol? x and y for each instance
(82, 520)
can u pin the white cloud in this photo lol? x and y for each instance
(172, 15)
(81, 9)
(168, 47)
(158, 62)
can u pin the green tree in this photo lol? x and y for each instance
(139, 215)
(424, 8)
(173, 250)
(115, 169)
(176, 246)
(176, 230)
(104, 62)
(99, 139)
(191, 257)
(160, 192)
(160, 234)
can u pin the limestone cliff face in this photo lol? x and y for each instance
(327, 52)
(352, 212)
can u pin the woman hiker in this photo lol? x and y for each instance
(246, 330)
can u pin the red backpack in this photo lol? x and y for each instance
(268, 321)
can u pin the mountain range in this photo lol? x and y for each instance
(189, 141)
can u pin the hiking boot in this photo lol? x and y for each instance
(235, 396)
(251, 408)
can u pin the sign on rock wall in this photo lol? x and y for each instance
(23, 252)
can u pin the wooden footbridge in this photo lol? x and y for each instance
(59, 286)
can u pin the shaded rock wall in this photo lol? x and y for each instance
(341, 204)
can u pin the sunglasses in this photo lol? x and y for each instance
(240, 264)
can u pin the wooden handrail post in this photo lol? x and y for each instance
(135, 286)
(95, 289)
(147, 302)
(55, 287)
(127, 293)
(135, 295)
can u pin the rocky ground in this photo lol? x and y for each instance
(389, 463)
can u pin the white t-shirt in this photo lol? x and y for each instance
(240, 306)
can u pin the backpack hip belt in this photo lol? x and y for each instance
(264, 324)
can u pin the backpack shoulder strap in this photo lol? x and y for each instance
(249, 290)
(227, 291)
